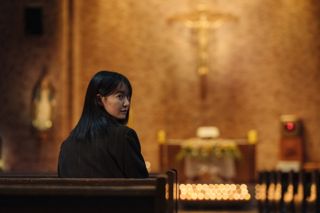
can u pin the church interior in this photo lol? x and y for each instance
(224, 92)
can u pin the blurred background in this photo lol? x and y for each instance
(235, 65)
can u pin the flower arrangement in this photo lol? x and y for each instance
(208, 148)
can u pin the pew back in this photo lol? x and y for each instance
(299, 191)
(49, 194)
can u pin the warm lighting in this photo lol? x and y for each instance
(252, 136)
(288, 196)
(274, 192)
(271, 191)
(278, 192)
(161, 136)
(298, 197)
(219, 192)
(313, 193)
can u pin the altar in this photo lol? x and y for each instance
(209, 160)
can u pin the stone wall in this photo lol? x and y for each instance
(262, 66)
(22, 58)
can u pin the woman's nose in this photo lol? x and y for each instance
(126, 102)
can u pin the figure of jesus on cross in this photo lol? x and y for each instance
(201, 21)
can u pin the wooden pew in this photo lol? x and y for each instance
(51, 194)
(300, 192)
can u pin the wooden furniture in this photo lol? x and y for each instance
(294, 191)
(244, 167)
(292, 146)
(51, 194)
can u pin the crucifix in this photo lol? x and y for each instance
(201, 21)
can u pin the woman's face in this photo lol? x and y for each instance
(118, 103)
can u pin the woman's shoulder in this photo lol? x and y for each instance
(122, 135)
(124, 130)
(121, 130)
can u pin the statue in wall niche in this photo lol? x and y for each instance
(43, 102)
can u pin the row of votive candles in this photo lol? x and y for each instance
(214, 192)
(288, 192)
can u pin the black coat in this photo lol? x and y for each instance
(116, 154)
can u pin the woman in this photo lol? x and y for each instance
(101, 146)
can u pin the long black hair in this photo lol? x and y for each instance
(94, 118)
